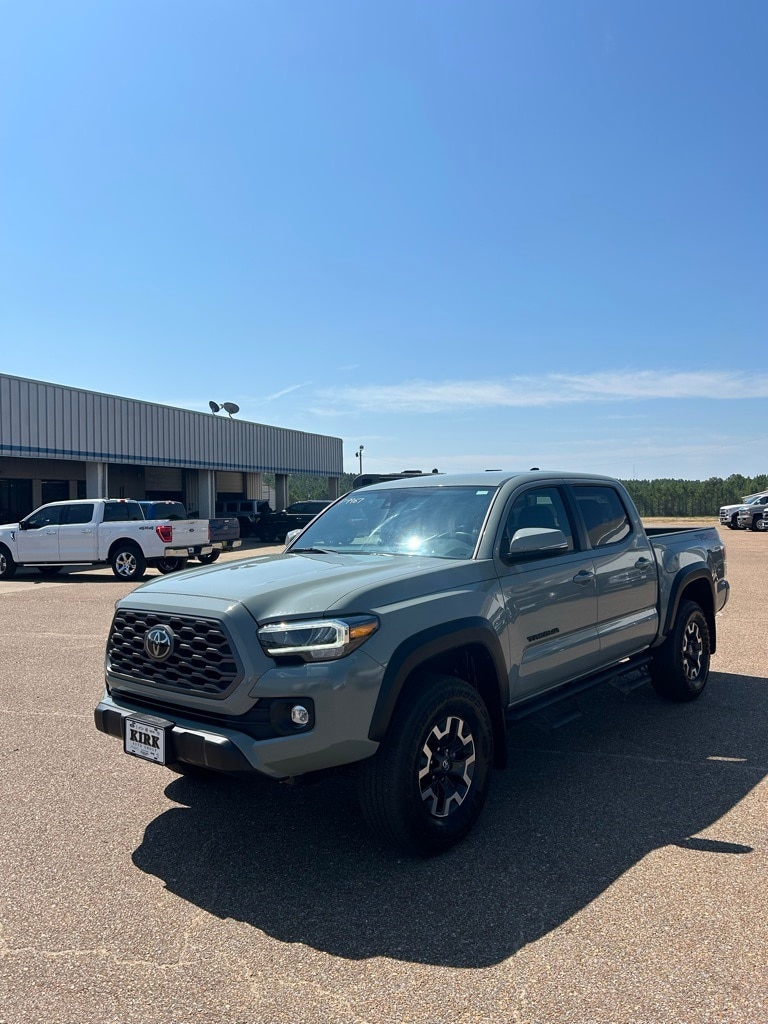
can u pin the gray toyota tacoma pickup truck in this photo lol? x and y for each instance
(402, 628)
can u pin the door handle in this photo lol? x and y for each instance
(641, 563)
(584, 576)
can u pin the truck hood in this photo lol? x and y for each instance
(274, 586)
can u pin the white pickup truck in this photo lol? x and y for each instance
(99, 531)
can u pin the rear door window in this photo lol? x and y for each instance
(73, 515)
(123, 512)
(605, 518)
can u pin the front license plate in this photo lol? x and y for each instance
(147, 737)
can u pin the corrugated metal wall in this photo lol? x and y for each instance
(39, 420)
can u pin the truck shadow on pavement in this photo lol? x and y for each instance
(577, 807)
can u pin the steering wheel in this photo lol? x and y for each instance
(465, 537)
(459, 545)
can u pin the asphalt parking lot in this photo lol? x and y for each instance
(618, 873)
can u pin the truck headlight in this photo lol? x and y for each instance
(316, 639)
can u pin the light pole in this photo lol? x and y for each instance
(359, 454)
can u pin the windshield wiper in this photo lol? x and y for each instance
(314, 551)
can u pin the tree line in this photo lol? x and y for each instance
(669, 497)
(663, 497)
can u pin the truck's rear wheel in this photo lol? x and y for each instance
(424, 789)
(128, 562)
(209, 558)
(680, 667)
(7, 564)
(166, 565)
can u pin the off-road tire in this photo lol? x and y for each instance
(680, 667)
(128, 562)
(424, 788)
(7, 565)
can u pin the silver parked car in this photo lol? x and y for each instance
(750, 516)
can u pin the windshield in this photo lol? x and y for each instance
(440, 521)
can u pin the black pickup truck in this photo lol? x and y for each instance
(249, 513)
(275, 526)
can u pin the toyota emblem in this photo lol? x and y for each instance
(158, 643)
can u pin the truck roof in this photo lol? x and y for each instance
(87, 501)
(487, 478)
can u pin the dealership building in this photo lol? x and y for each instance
(58, 443)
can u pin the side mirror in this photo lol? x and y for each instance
(23, 525)
(290, 537)
(536, 541)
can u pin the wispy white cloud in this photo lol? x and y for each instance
(548, 389)
(287, 391)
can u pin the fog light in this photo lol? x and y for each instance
(299, 715)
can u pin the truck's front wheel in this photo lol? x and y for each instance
(761, 525)
(424, 789)
(128, 562)
(680, 667)
(7, 564)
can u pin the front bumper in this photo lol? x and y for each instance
(342, 709)
(195, 747)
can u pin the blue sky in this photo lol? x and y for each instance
(462, 234)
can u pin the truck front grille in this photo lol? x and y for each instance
(203, 661)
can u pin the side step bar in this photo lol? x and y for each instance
(614, 675)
